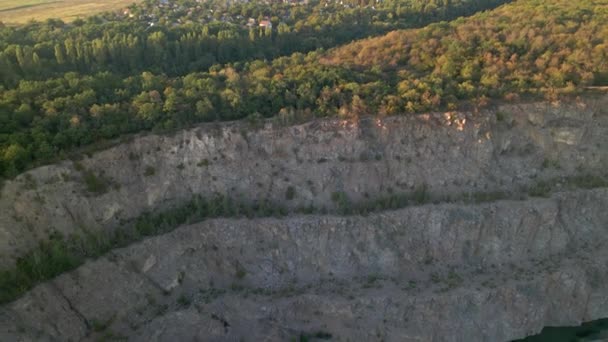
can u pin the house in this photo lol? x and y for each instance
(127, 13)
(250, 22)
(265, 24)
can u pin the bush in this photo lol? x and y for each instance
(589, 181)
(94, 183)
(541, 189)
(183, 300)
(290, 193)
(500, 116)
(240, 273)
(50, 259)
(480, 197)
(421, 194)
(342, 202)
(149, 171)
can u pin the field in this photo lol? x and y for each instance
(22, 11)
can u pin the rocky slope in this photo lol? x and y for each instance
(449, 271)
(505, 148)
(487, 272)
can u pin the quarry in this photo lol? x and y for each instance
(473, 225)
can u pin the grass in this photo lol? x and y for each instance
(22, 11)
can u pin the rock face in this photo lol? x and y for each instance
(491, 271)
(447, 272)
(452, 153)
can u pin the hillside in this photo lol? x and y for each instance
(457, 208)
(382, 277)
(536, 47)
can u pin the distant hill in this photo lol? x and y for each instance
(538, 46)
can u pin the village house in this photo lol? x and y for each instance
(265, 24)
(127, 13)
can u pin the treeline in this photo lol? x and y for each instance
(537, 47)
(125, 46)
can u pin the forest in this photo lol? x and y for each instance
(164, 38)
(67, 86)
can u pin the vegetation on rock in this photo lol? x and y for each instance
(60, 254)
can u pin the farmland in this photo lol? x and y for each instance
(22, 11)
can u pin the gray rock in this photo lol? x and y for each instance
(487, 272)
(492, 271)
(452, 153)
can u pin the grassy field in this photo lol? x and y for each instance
(22, 11)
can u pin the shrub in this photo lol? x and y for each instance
(94, 183)
(241, 273)
(78, 166)
(323, 335)
(421, 194)
(480, 197)
(500, 116)
(255, 120)
(342, 202)
(30, 182)
(588, 181)
(290, 193)
(540, 189)
(547, 163)
(50, 259)
(149, 171)
(183, 300)
(99, 326)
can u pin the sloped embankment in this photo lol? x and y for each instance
(510, 148)
(447, 272)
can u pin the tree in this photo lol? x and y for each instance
(16, 158)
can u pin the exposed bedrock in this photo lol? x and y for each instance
(441, 271)
(446, 272)
(501, 149)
